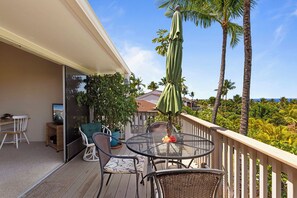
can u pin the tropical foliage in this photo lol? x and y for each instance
(153, 86)
(204, 14)
(111, 98)
(136, 85)
(162, 40)
(271, 122)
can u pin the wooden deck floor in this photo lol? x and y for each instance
(79, 178)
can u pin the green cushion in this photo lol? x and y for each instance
(91, 128)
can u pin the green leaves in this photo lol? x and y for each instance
(111, 99)
(163, 41)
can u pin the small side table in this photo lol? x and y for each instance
(57, 130)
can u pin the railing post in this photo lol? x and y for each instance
(216, 156)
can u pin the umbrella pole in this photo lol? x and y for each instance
(169, 127)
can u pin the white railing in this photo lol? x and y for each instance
(140, 121)
(252, 168)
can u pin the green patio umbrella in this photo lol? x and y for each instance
(170, 101)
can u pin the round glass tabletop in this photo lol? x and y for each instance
(183, 146)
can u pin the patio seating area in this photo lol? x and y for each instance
(79, 178)
(238, 156)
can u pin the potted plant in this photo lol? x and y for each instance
(110, 98)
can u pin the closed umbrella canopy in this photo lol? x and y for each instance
(170, 101)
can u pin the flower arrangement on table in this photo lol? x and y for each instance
(167, 139)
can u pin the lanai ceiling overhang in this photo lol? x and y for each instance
(66, 32)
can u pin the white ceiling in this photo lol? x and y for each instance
(66, 32)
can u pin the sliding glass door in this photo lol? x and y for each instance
(74, 114)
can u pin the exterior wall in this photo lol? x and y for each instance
(29, 85)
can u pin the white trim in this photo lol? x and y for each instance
(21, 43)
(70, 34)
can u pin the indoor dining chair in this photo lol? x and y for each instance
(190, 183)
(20, 123)
(116, 164)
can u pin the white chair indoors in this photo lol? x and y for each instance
(20, 123)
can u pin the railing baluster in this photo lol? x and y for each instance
(225, 165)
(292, 183)
(236, 170)
(252, 174)
(244, 173)
(230, 167)
(263, 176)
(276, 179)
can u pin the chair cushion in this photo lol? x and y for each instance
(91, 128)
(124, 166)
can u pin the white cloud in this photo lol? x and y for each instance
(294, 13)
(279, 34)
(145, 64)
(115, 9)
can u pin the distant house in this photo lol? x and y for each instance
(151, 97)
(146, 109)
(190, 103)
(187, 102)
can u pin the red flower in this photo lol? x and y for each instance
(167, 139)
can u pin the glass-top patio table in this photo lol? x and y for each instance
(186, 146)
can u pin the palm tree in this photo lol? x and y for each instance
(192, 94)
(228, 85)
(184, 90)
(184, 87)
(204, 13)
(163, 81)
(237, 99)
(137, 84)
(153, 86)
(247, 68)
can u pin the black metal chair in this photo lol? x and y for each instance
(190, 183)
(116, 164)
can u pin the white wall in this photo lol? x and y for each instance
(29, 85)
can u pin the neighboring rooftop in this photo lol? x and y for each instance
(151, 97)
(146, 106)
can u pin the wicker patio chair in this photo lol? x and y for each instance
(187, 183)
(116, 164)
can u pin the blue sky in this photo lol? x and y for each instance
(132, 24)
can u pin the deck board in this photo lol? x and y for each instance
(79, 178)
